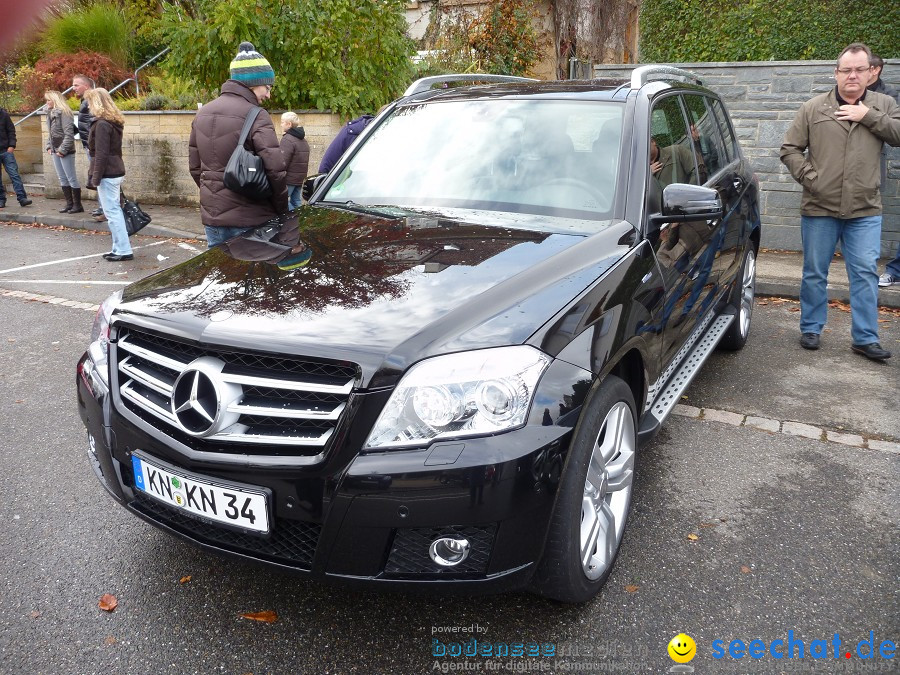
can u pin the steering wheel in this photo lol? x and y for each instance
(567, 181)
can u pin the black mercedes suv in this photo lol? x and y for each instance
(505, 289)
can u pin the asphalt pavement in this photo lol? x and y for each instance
(778, 272)
(765, 508)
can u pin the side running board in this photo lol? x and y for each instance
(690, 366)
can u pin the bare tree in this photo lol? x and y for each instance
(591, 30)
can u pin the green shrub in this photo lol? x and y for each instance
(675, 31)
(99, 27)
(349, 56)
(157, 102)
(130, 103)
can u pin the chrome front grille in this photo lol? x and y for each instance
(268, 401)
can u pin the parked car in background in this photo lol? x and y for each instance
(511, 284)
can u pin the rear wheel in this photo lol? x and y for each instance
(595, 498)
(744, 295)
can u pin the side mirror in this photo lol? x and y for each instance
(683, 202)
(311, 184)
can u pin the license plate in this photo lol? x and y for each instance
(210, 498)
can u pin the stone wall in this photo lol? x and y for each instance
(29, 145)
(155, 150)
(763, 98)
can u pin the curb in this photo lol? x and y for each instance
(94, 226)
(887, 297)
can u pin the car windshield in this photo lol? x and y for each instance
(543, 158)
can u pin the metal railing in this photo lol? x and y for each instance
(37, 110)
(134, 79)
(121, 84)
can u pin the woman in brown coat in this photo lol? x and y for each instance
(107, 168)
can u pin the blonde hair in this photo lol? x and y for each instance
(291, 117)
(101, 106)
(58, 102)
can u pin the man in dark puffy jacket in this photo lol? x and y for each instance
(214, 136)
(81, 84)
(8, 160)
(342, 141)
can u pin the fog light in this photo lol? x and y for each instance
(449, 551)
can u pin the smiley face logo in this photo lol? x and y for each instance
(682, 648)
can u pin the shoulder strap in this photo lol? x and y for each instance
(248, 122)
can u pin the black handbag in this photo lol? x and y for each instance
(136, 218)
(245, 172)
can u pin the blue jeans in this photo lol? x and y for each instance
(218, 235)
(860, 240)
(893, 267)
(295, 196)
(108, 192)
(8, 160)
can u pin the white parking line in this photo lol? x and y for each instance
(49, 299)
(73, 281)
(81, 257)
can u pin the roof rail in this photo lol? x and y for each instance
(640, 76)
(426, 83)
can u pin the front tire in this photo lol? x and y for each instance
(743, 298)
(594, 500)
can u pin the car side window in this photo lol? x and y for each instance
(731, 146)
(705, 133)
(671, 152)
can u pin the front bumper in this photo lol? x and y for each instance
(367, 518)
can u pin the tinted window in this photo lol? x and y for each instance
(731, 146)
(705, 133)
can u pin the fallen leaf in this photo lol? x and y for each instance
(108, 602)
(761, 302)
(21, 400)
(693, 537)
(707, 524)
(631, 588)
(746, 570)
(267, 616)
(35, 614)
(184, 579)
(110, 640)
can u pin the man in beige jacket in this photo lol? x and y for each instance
(841, 133)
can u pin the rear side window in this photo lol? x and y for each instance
(705, 133)
(731, 146)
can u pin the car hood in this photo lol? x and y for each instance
(380, 292)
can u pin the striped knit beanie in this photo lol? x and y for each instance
(250, 67)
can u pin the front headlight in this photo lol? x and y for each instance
(467, 394)
(99, 348)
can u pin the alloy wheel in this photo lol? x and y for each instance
(748, 293)
(607, 491)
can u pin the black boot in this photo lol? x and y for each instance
(76, 201)
(67, 192)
